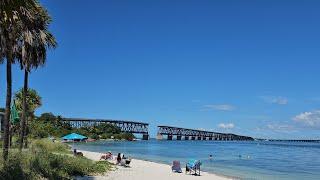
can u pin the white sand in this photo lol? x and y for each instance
(145, 170)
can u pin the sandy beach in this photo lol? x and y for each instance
(140, 170)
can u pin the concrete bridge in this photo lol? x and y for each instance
(125, 126)
(192, 134)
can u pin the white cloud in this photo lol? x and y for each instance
(220, 107)
(226, 125)
(275, 100)
(275, 130)
(285, 128)
(309, 119)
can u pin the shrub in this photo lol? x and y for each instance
(49, 146)
(48, 160)
(53, 166)
(17, 167)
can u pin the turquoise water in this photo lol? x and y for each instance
(259, 160)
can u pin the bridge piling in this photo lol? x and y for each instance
(145, 137)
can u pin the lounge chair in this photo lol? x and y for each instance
(193, 167)
(176, 167)
(125, 162)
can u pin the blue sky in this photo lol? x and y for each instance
(248, 67)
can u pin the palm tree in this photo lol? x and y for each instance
(33, 100)
(34, 47)
(14, 14)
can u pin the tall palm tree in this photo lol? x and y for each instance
(13, 14)
(34, 47)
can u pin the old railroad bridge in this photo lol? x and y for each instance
(169, 131)
(125, 126)
(198, 134)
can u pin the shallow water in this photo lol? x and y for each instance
(247, 160)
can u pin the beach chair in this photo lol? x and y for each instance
(193, 167)
(125, 162)
(176, 167)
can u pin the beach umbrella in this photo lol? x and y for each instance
(14, 116)
(74, 136)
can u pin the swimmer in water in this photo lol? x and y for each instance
(210, 157)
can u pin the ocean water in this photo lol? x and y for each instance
(245, 160)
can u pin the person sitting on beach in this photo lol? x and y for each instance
(106, 156)
(76, 153)
(119, 158)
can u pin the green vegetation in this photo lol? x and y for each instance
(49, 160)
(50, 125)
(33, 99)
(25, 38)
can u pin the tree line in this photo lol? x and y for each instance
(49, 125)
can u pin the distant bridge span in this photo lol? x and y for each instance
(198, 134)
(125, 126)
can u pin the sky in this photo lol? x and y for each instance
(248, 67)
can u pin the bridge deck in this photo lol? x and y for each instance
(200, 134)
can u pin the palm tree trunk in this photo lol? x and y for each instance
(10, 134)
(26, 133)
(24, 110)
(6, 122)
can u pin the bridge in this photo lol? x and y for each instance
(291, 140)
(198, 134)
(125, 126)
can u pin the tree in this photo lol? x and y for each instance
(33, 100)
(14, 14)
(34, 46)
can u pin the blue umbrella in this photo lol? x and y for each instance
(74, 136)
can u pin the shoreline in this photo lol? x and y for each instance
(143, 169)
(182, 167)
